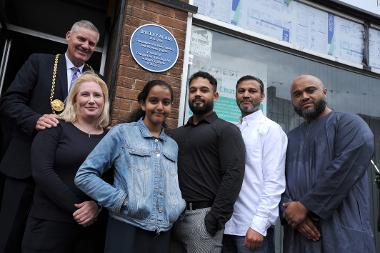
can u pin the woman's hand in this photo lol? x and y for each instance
(86, 213)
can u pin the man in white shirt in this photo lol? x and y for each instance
(256, 209)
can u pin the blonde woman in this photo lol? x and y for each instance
(62, 217)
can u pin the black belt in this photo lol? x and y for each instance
(198, 205)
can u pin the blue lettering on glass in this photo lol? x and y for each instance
(154, 48)
(330, 28)
(285, 35)
(330, 34)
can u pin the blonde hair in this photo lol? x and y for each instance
(69, 114)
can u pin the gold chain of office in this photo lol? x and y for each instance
(57, 105)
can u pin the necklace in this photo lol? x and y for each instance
(87, 131)
(56, 104)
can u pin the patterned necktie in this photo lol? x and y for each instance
(75, 74)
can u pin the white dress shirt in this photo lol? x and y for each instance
(264, 178)
(69, 65)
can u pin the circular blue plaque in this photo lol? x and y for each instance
(154, 48)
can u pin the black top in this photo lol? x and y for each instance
(211, 165)
(56, 155)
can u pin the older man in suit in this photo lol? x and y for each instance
(33, 100)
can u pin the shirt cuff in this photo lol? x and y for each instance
(260, 225)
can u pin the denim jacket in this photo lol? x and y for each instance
(145, 192)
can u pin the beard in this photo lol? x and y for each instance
(250, 109)
(312, 113)
(207, 106)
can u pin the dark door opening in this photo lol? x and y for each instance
(23, 45)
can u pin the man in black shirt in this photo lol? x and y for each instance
(210, 170)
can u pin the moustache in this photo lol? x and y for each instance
(195, 100)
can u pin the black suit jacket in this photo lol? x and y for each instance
(27, 98)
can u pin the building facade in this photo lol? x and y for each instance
(276, 40)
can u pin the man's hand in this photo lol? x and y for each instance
(253, 239)
(210, 224)
(86, 213)
(47, 121)
(309, 230)
(294, 213)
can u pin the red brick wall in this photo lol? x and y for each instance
(131, 77)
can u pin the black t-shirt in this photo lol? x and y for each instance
(56, 155)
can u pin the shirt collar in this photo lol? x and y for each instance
(146, 133)
(69, 64)
(208, 119)
(251, 117)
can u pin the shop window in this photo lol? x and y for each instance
(228, 58)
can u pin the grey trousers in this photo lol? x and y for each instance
(190, 235)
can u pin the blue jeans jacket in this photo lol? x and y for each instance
(145, 177)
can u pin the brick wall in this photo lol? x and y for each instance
(131, 77)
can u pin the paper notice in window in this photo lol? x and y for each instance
(201, 43)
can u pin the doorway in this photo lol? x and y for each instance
(17, 47)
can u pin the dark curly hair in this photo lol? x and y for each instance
(204, 75)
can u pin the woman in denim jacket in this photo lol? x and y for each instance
(144, 200)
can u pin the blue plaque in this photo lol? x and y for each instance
(154, 48)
